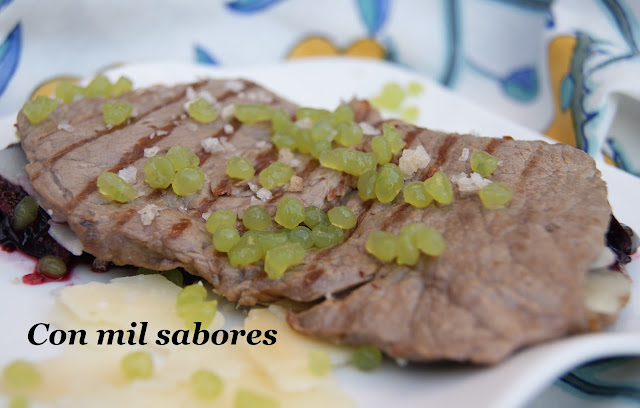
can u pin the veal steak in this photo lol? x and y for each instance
(508, 277)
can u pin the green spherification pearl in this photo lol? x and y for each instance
(439, 188)
(121, 86)
(277, 174)
(239, 168)
(343, 114)
(38, 110)
(24, 213)
(279, 259)
(427, 239)
(225, 238)
(342, 217)
(367, 185)
(182, 157)
(281, 122)
(349, 134)
(407, 253)
(495, 195)
(312, 113)
(327, 235)
(303, 140)
(290, 212)
(188, 181)
(319, 363)
(382, 245)
(159, 172)
(323, 130)
(246, 252)
(415, 195)
(252, 113)
(319, 146)
(205, 385)
(221, 218)
(52, 267)
(396, 143)
(115, 113)
(137, 365)
(389, 183)
(202, 111)
(272, 239)
(483, 163)
(349, 161)
(314, 216)
(99, 86)
(301, 235)
(67, 91)
(21, 375)
(284, 140)
(250, 399)
(382, 149)
(367, 358)
(256, 217)
(115, 188)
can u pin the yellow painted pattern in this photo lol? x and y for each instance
(316, 46)
(560, 53)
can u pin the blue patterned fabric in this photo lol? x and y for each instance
(567, 68)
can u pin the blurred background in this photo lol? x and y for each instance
(567, 68)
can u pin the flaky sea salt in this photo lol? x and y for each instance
(464, 156)
(148, 213)
(264, 195)
(413, 160)
(295, 184)
(368, 129)
(128, 174)
(470, 184)
(151, 151)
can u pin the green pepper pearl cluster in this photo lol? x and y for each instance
(178, 168)
(404, 248)
(302, 228)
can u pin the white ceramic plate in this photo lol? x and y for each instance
(324, 83)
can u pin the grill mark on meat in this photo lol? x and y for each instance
(104, 132)
(532, 162)
(98, 113)
(398, 216)
(315, 272)
(492, 145)
(127, 159)
(366, 206)
(308, 168)
(441, 155)
(178, 228)
(124, 217)
(264, 159)
(410, 136)
(223, 188)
